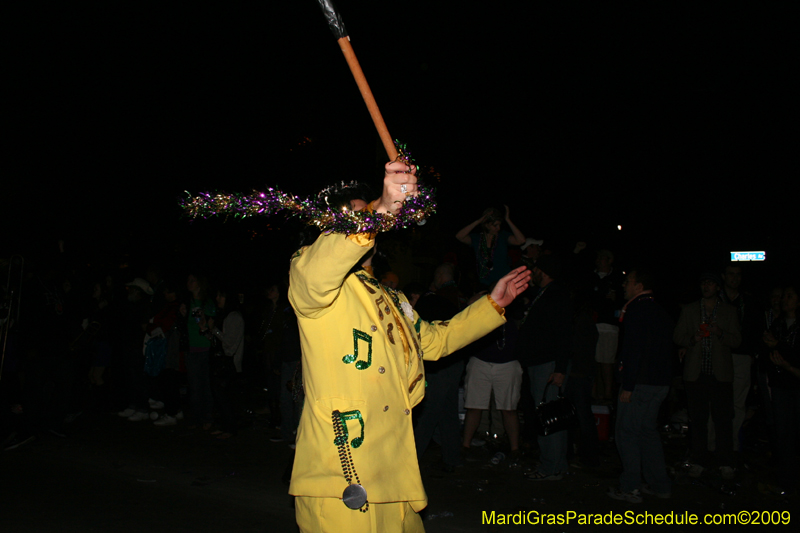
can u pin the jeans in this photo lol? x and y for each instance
(169, 387)
(579, 392)
(553, 447)
(638, 442)
(786, 409)
(439, 414)
(225, 388)
(136, 381)
(707, 395)
(198, 374)
(741, 388)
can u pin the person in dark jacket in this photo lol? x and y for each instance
(134, 319)
(437, 414)
(784, 381)
(169, 380)
(750, 316)
(581, 379)
(544, 347)
(646, 364)
(709, 330)
(289, 352)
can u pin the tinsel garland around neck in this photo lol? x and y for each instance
(314, 209)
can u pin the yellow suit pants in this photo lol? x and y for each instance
(331, 515)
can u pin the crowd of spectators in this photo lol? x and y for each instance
(606, 337)
(160, 348)
(168, 347)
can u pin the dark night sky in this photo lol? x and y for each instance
(672, 119)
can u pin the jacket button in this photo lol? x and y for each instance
(373, 327)
(381, 370)
(407, 412)
(386, 408)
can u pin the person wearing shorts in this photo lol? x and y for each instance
(494, 368)
(606, 300)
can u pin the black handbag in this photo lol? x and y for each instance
(554, 416)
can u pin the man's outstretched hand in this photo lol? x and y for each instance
(511, 285)
(399, 181)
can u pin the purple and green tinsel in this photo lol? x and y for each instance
(415, 210)
(318, 213)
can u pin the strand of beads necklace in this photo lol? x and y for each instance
(486, 255)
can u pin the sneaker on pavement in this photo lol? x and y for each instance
(166, 420)
(645, 489)
(127, 413)
(633, 496)
(155, 404)
(727, 472)
(139, 416)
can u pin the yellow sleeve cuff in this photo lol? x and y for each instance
(362, 239)
(497, 308)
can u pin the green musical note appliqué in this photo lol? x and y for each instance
(349, 358)
(342, 439)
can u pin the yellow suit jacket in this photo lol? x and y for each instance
(363, 347)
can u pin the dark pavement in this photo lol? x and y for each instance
(109, 474)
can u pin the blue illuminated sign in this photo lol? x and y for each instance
(748, 256)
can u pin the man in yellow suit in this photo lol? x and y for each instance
(356, 467)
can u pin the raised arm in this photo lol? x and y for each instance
(399, 181)
(318, 271)
(463, 233)
(517, 239)
(441, 338)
